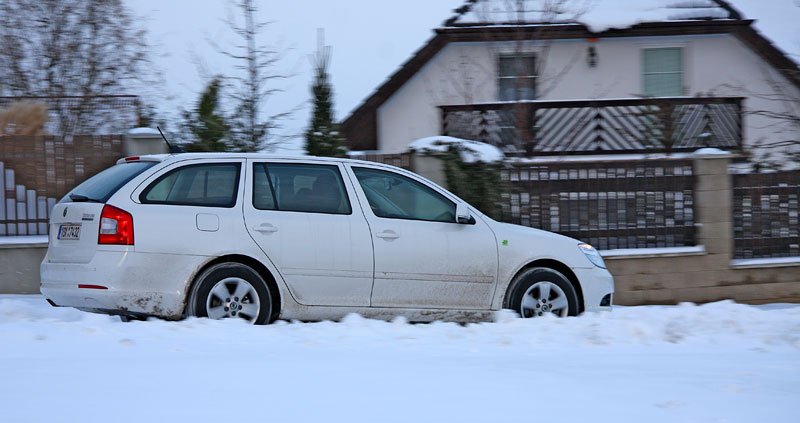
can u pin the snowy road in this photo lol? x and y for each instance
(720, 362)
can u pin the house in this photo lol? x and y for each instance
(535, 78)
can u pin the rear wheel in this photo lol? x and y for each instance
(231, 290)
(540, 291)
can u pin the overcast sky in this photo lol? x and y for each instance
(370, 40)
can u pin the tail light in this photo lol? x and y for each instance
(116, 226)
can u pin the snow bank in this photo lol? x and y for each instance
(470, 151)
(716, 362)
(705, 325)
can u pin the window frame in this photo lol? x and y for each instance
(534, 77)
(427, 188)
(142, 197)
(266, 165)
(681, 72)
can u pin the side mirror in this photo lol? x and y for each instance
(462, 215)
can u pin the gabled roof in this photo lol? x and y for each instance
(479, 20)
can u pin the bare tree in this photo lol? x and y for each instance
(782, 111)
(78, 48)
(254, 83)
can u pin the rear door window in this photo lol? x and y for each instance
(205, 185)
(99, 188)
(306, 188)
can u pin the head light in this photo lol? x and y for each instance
(592, 254)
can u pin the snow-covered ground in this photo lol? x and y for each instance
(720, 362)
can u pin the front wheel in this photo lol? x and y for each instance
(231, 290)
(541, 291)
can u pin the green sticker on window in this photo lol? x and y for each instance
(505, 243)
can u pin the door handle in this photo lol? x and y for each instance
(265, 228)
(388, 234)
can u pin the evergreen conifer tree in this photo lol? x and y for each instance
(207, 124)
(323, 137)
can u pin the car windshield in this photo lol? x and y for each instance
(99, 188)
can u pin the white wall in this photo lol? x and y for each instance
(465, 73)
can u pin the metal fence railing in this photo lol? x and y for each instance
(612, 205)
(73, 115)
(536, 128)
(766, 215)
(22, 210)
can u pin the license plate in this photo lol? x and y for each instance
(69, 232)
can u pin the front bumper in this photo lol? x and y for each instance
(598, 288)
(135, 283)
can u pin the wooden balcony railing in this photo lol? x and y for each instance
(667, 124)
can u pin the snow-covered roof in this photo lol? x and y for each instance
(470, 151)
(597, 15)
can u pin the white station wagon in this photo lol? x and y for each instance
(260, 237)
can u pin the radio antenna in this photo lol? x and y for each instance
(173, 149)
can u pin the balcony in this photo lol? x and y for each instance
(535, 128)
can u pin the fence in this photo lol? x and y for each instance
(22, 211)
(766, 215)
(617, 204)
(53, 165)
(588, 126)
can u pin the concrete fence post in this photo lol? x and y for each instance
(713, 196)
(141, 141)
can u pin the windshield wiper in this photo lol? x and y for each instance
(78, 198)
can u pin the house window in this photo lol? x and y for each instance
(516, 77)
(662, 72)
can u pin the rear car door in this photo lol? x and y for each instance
(191, 207)
(303, 215)
(423, 258)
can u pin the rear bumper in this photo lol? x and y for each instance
(598, 288)
(135, 283)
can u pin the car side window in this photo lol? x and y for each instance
(205, 185)
(308, 188)
(394, 196)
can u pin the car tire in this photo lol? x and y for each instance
(231, 290)
(540, 291)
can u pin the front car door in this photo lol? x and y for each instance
(423, 258)
(306, 220)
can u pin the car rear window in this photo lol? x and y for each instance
(204, 185)
(99, 188)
